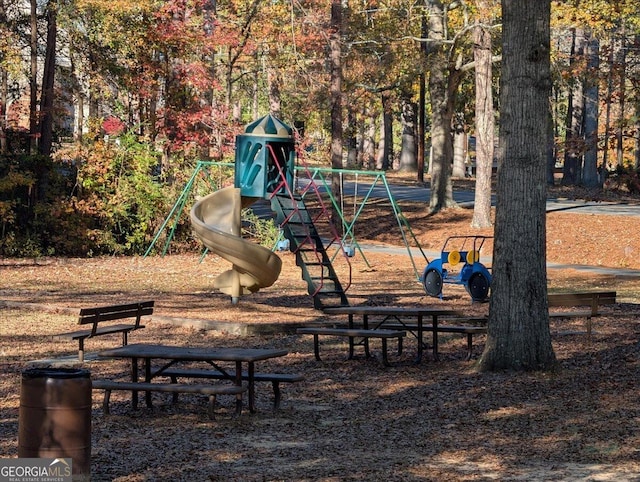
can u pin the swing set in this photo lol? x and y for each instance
(370, 188)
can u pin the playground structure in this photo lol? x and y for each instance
(301, 198)
(473, 275)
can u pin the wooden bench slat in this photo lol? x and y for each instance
(211, 390)
(128, 310)
(107, 330)
(352, 332)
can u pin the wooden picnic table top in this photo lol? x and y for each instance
(392, 311)
(172, 352)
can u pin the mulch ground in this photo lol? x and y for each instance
(350, 420)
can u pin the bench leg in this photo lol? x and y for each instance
(105, 402)
(316, 347)
(351, 346)
(211, 407)
(81, 350)
(276, 394)
(367, 353)
(174, 399)
(385, 359)
(469, 346)
(588, 329)
(399, 345)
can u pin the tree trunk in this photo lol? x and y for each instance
(485, 123)
(408, 149)
(48, 81)
(369, 143)
(590, 177)
(352, 141)
(33, 78)
(422, 130)
(622, 78)
(385, 148)
(4, 92)
(459, 147)
(440, 93)
(606, 164)
(273, 79)
(573, 147)
(518, 335)
(335, 54)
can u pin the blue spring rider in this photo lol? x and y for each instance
(473, 275)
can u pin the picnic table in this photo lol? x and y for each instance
(398, 314)
(170, 355)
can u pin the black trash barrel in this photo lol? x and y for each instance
(55, 417)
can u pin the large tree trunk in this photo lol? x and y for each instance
(441, 93)
(518, 331)
(485, 123)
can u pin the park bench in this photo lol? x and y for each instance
(102, 320)
(352, 333)
(591, 299)
(212, 391)
(275, 378)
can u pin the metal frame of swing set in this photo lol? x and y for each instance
(322, 177)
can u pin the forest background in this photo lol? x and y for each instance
(106, 107)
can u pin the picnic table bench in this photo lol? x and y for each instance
(379, 316)
(212, 391)
(102, 318)
(275, 378)
(353, 333)
(468, 326)
(591, 299)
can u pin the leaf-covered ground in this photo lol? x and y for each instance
(349, 420)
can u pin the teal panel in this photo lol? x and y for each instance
(250, 166)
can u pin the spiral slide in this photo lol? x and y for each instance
(215, 220)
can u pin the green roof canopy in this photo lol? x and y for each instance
(269, 126)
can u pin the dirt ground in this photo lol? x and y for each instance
(350, 420)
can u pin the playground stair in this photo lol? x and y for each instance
(299, 227)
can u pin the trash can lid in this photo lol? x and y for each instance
(56, 373)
